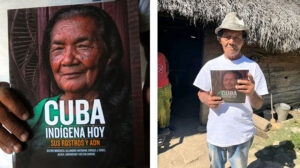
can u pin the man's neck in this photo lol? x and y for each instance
(233, 57)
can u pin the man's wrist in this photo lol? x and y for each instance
(256, 101)
(253, 93)
(205, 99)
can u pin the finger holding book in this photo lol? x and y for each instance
(246, 86)
(213, 101)
(13, 113)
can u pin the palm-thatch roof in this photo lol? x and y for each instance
(274, 24)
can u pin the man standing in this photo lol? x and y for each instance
(230, 127)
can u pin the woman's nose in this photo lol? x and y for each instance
(69, 56)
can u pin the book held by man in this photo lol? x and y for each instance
(224, 84)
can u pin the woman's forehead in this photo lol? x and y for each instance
(78, 20)
(74, 26)
(230, 74)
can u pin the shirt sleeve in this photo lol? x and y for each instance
(203, 79)
(260, 82)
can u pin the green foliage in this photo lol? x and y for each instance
(290, 131)
(295, 138)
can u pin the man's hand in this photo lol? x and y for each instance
(13, 113)
(210, 100)
(246, 86)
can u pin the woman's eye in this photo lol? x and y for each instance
(54, 49)
(58, 48)
(83, 47)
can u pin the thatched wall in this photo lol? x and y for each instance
(274, 28)
(274, 24)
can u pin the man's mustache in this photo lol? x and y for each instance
(232, 45)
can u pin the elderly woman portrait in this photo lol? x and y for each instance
(82, 56)
(230, 79)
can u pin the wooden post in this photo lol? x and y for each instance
(261, 123)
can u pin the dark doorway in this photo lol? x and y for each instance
(182, 43)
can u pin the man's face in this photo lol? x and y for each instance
(74, 54)
(232, 42)
(229, 81)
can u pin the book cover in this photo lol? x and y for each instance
(223, 84)
(74, 64)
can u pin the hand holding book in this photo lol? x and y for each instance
(13, 113)
(246, 86)
(210, 100)
(224, 84)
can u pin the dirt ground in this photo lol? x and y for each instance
(186, 147)
(279, 147)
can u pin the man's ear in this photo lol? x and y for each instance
(219, 40)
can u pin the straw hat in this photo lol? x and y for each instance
(232, 22)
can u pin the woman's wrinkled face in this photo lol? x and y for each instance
(75, 51)
(230, 80)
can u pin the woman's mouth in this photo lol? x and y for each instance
(72, 75)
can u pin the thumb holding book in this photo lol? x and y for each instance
(210, 100)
